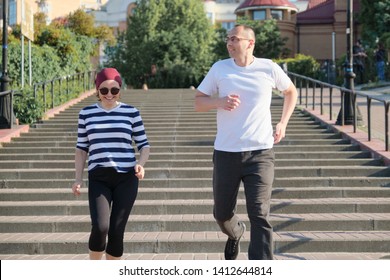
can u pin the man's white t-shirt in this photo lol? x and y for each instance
(249, 126)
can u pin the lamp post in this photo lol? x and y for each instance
(346, 114)
(5, 101)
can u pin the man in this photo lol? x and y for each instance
(358, 61)
(243, 145)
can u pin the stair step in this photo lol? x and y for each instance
(290, 182)
(199, 222)
(201, 206)
(64, 193)
(190, 163)
(206, 172)
(206, 242)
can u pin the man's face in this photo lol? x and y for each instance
(237, 42)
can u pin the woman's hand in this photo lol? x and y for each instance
(76, 188)
(139, 171)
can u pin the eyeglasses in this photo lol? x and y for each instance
(234, 39)
(104, 91)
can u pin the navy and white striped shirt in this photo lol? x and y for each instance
(107, 135)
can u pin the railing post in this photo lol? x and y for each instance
(322, 99)
(387, 125)
(60, 89)
(44, 96)
(300, 91)
(341, 120)
(67, 85)
(52, 93)
(314, 95)
(331, 103)
(369, 117)
(307, 93)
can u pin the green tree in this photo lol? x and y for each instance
(45, 62)
(81, 23)
(173, 35)
(220, 50)
(375, 19)
(39, 24)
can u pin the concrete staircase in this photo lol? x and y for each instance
(330, 199)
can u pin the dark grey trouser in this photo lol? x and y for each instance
(256, 170)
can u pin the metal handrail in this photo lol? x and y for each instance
(299, 80)
(80, 78)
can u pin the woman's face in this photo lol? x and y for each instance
(109, 93)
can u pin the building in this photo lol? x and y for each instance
(115, 13)
(321, 29)
(52, 8)
(221, 12)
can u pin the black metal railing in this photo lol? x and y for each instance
(78, 80)
(305, 85)
(58, 89)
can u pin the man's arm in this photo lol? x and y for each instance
(290, 100)
(204, 102)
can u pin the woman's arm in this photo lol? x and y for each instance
(80, 158)
(143, 158)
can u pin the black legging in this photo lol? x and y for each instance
(108, 188)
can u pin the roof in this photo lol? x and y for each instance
(247, 4)
(313, 3)
(319, 13)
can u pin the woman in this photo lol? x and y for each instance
(105, 134)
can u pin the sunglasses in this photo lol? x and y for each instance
(104, 91)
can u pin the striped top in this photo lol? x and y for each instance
(107, 135)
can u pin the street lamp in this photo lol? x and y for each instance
(5, 101)
(346, 114)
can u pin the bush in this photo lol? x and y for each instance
(303, 65)
(27, 109)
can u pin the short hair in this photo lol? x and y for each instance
(249, 30)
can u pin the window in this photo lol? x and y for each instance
(228, 25)
(259, 15)
(277, 14)
(12, 13)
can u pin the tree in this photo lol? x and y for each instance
(375, 19)
(39, 24)
(173, 35)
(81, 23)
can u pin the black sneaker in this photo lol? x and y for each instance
(232, 248)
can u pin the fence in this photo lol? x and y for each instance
(325, 95)
(52, 93)
(75, 81)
